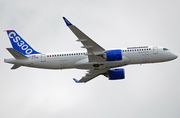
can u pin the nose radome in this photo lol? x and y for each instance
(173, 56)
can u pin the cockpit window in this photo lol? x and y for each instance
(165, 49)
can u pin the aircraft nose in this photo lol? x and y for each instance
(173, 56)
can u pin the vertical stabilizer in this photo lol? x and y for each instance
(19, 44)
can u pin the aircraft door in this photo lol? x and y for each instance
(155, 50)
(43, 58)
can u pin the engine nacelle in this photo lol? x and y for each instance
(115, 74)
(113, 55)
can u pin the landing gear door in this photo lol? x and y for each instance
(63, 63)
(145, 58)
(43, 58)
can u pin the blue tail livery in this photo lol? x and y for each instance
(19, 44)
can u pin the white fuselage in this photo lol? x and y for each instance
(67, 60)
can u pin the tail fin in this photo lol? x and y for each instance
(19, 44)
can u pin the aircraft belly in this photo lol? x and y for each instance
(54, 63)
(85, 64)
(139, 58)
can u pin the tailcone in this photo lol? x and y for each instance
(4, 60)
(11, 60)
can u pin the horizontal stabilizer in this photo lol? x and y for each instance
(16, 54)
(16, 66)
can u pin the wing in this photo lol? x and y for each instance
(90, 75)
(92, 47)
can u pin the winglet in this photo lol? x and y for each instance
(67, 22)
(75, 80)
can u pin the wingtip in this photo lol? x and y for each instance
(67, 22)
(75, 80)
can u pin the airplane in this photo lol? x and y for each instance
(96, 60)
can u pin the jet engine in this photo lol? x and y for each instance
(113, 55)
(115, 74)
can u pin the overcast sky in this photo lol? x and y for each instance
(148, 91)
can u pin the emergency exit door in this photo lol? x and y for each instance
(43, 58)
(155, 50)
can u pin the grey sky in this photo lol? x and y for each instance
(148, 91)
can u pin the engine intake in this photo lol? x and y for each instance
(115, 74)
(113, 55)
